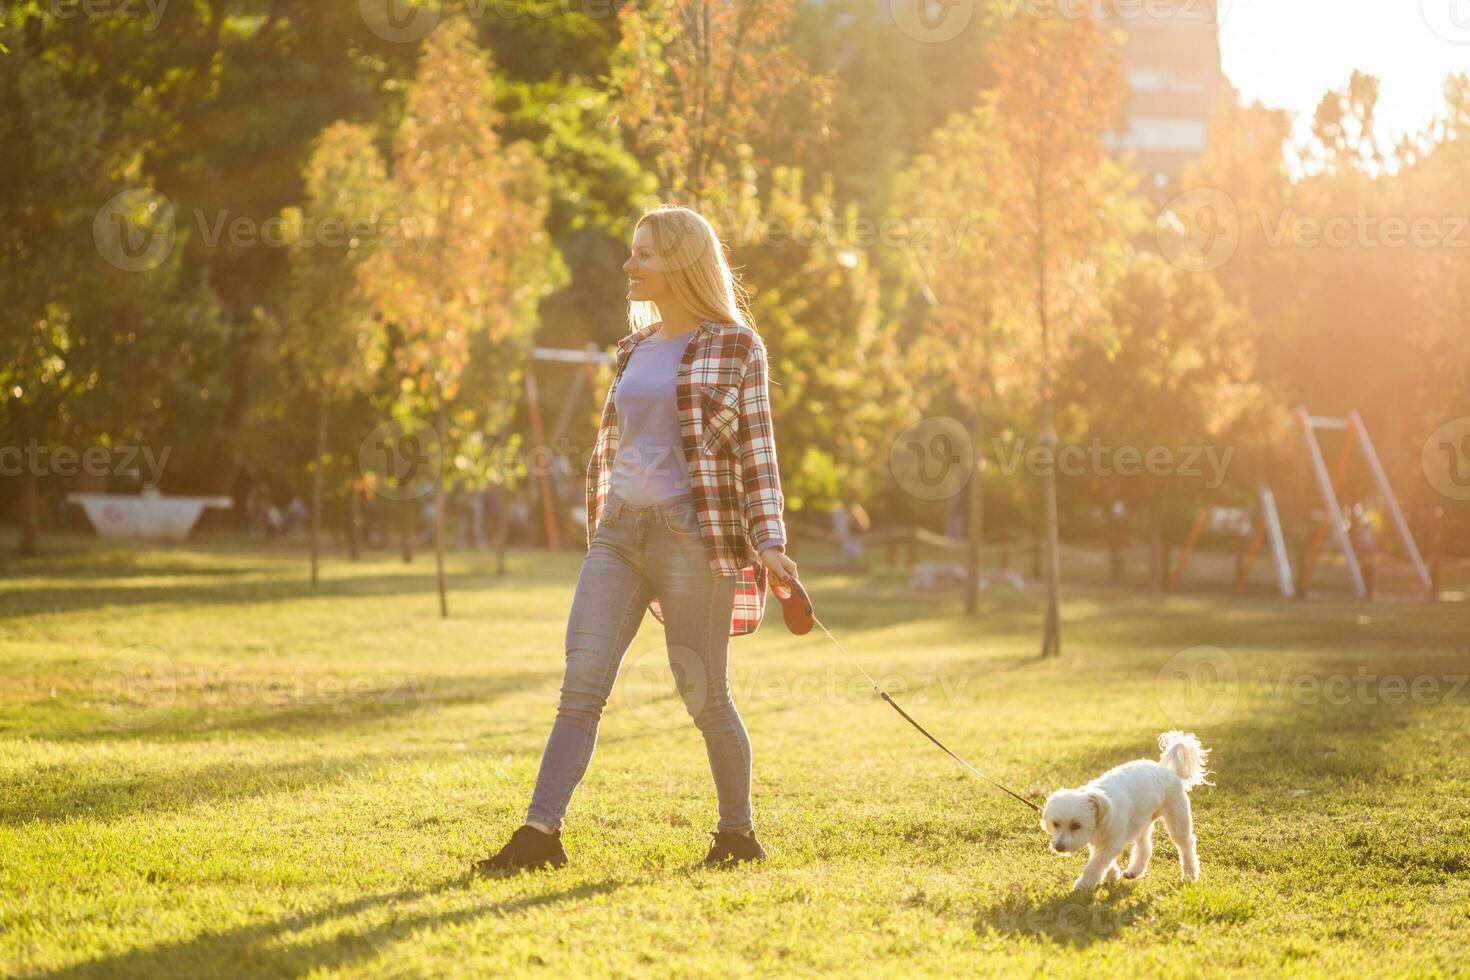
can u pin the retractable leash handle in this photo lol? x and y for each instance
(796, 607)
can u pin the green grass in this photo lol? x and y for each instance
(208, 769)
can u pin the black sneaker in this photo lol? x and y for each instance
(732, 848)
(527, 848)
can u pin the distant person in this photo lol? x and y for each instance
(1365, 546)
(844, 518)
(691, 531)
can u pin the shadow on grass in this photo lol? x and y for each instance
(68, 599)
(392, 699)
(54, 794)
(1065, 918)
(269, 949)
(58, 793)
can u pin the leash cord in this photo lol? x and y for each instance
(922, 730)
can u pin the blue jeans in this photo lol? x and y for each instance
(635, 554)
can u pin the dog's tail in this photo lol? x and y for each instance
(1182, 755)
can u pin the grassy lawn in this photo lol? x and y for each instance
(208, 769)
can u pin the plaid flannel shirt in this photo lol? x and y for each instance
(730, 447)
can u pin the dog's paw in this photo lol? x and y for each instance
(1131, 875)
(1081, 887)
(1112, 874)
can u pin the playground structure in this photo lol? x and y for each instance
(1268, 526)
(148, 515)
(587, 360)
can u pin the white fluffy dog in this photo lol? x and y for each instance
(1121, 806)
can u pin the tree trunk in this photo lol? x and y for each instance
(1051, 641)
(247, 343)
(354, 518)
(1117, 549)
(976, 529)
(30, 515)
(407, 525)
(1156, 566)
(316, 485)
(439, 501)
(502, 530)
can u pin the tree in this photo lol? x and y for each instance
(953, 186)
(834, 343)
(472, 257)
(329, 324)
(697, 80)
(98, 345)
(1173, 369)
(1059, 87)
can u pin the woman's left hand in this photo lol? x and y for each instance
(781, 565)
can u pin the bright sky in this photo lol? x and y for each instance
(1288, 53)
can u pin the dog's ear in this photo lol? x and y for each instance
(1100, 804)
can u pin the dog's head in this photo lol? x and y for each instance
(1071, 816)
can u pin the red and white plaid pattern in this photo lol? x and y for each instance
(730, 448)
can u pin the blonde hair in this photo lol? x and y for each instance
(692, 258)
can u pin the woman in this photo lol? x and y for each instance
(684, 516)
